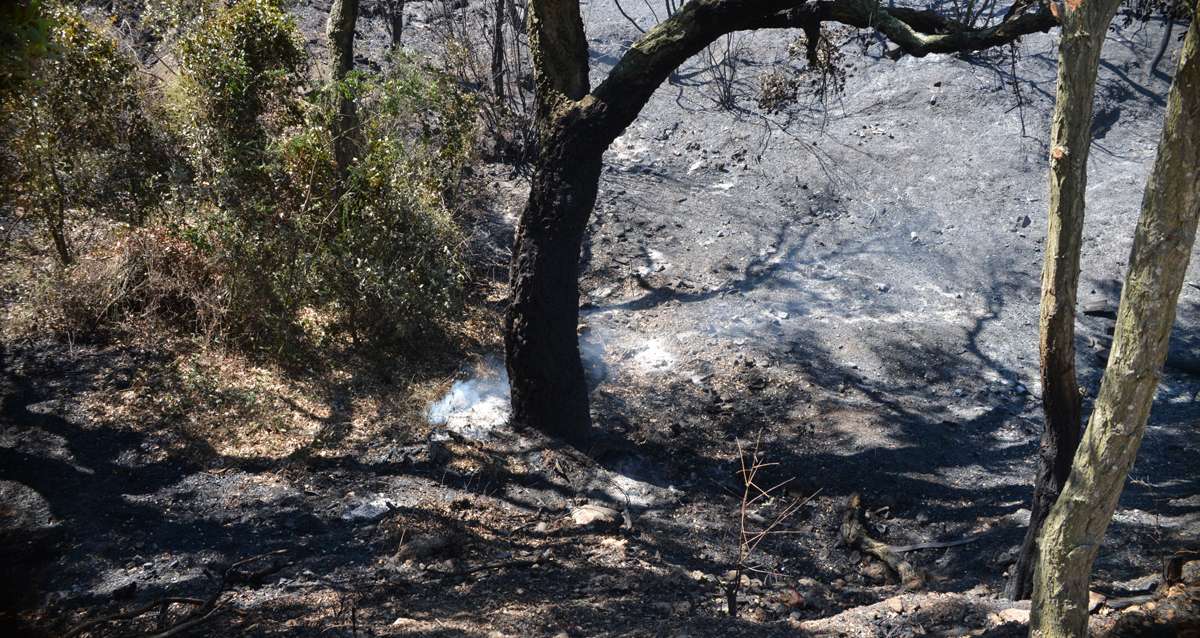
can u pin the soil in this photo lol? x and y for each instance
(849, 293)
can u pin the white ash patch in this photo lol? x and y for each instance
(475, 407)
(654, 356)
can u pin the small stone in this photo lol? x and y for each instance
(882, 287)
(896, 604)
(1014, 615)
(913, 236)
(1096, 600)
(585, 515)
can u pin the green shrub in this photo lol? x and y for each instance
(240, 69)
(258, 240)
(378, 256)
(391, 264)
(80, 133)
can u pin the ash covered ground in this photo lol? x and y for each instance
(854, 286)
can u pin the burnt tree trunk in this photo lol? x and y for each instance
(395, 9)
(549, 391)
(1162, 247)
(343, 15)
(574, 125)
(1084, 28)
(498, 51)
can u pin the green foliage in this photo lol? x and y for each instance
(375, 257)
(80, 135)
(240, 70)
(256, 239)
(24, 39)
(392, 260)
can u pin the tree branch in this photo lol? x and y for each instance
(647, 64)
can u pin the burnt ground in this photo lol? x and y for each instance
(854, 287)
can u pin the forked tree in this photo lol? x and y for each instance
(1162, 247)
(575, 124)
(1084, 27)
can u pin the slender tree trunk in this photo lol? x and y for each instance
(343, 15)
(56, 222)
(1162, 246)
(498, 52)
(1163, 44)
(54, 226)
(1083, 31)
(396, 21)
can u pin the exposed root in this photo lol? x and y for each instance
(854, 534)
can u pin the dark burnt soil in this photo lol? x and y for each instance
(852, 288)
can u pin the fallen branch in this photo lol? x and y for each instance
(854, 534)
(133, 613)
(205, 609)
(900, 549)
(517, 562)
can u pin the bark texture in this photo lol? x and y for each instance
(343, 15)
(1162, 246)
(1084, 26)
(575, 125)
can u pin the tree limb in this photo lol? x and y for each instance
(648, 63)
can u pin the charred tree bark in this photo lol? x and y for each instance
(1084, 26)
(498, 51)
(575, 125)
(549, 391)
(343, 15)
(395, 9)
(1162, 246)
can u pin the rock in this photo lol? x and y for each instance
(875, 571)
(913, 236)
(1024, 221)
(1099, 307)
(896, 604)
(1096, 600)
(1013, 614)
(598, 515)
(423, 547)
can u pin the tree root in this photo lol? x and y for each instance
(854, 534)
(1173, 566)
